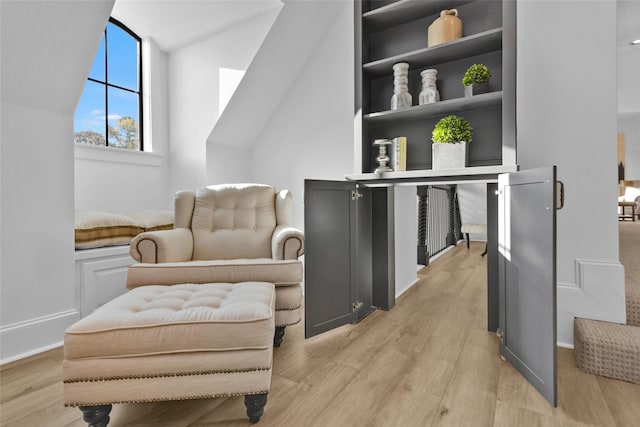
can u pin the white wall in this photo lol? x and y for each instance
(628, 14)
(227, 163)
(310, 134)
(47, 49)
(406, 236)
(562, 122)
(629, 125)
(194, 92)
(123, 181)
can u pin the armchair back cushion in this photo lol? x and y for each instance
(233, 221)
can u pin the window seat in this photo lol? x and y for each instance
(102, 252)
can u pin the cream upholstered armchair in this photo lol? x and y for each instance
(227, 233)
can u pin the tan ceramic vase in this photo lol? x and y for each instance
(444, 29)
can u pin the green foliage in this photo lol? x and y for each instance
(452, 129)
(477, 73)
(124, 134)
(88, 137)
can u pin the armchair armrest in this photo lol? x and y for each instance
(287, 243)
(162, 246)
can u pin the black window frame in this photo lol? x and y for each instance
(108, 85)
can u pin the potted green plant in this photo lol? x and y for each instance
(476, 80)
(451, 137)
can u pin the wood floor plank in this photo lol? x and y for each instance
(408, 406)
(361, 399)
(507, 415)
(363, 349)
(478, 365)
(37, 408)
(181, 413)
(21, 380)
(580, 400)
(516, 392)
(433, 368)
(466, 407)
(315, 394)
(623, 400)
(411, 337)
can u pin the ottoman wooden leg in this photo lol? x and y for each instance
(277, 337)
(255, 406)
(96, 416)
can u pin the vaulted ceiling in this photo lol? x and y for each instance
(176, 23)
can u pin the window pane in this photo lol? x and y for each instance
(123, 58)
(124, 128)
(89, 121)
(97, 70)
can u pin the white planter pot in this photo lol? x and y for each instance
(449, 156)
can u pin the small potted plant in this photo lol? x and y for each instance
(476, 80)
(451, 137)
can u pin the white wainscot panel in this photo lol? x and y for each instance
(597, 294)
(101, 276)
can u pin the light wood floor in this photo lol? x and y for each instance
(427, 362)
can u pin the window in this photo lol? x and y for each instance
(110, 110)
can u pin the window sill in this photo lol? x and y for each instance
(117, 155)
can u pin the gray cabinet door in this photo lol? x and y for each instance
(331, 233)
(527, 275)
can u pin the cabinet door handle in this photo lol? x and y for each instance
(559, 195)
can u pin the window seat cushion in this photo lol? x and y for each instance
(154, 220)
(95, 229)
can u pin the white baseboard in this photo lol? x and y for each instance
(439, 254)
(565, 345)
(36, 335)
(402, 291)
(31, 353)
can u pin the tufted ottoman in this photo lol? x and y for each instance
(176, 342)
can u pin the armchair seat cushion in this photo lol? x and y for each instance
(280, 272)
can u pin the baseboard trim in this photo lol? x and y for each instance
(442, 252)
(565, 345)
(411, 285)
(31, 353)
(33, 336)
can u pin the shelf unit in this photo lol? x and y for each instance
(387, 32)
(476, 44)
(486, 100)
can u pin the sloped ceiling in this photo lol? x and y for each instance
(291, 41)
(177, 23)
(47, 69)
